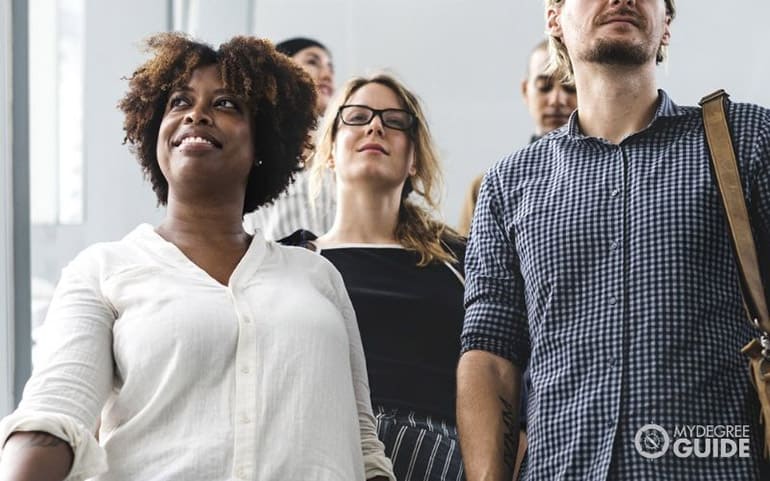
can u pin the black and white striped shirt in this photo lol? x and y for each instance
(293, 210)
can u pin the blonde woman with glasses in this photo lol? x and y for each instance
(401, 267)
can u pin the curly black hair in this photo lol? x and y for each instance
(280, 95)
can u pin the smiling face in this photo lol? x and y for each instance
(549, 101)
(205, 139)
(611, 33)
(318, 64)
(373, 153)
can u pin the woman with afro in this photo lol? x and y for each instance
(207, 353)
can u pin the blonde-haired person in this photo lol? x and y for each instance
(560, 64)
(596, 256)
(402, 268)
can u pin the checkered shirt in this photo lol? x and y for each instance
(608, 270)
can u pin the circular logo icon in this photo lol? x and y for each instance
(652, 441)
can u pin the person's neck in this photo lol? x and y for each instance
(363, 217)
(615, 102)
(203, 224)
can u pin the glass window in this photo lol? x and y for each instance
(184, 15)
(56, 50)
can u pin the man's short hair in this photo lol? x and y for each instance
(541, 45)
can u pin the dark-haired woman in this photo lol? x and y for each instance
(187, 338)
(401, 267)
(293, 209)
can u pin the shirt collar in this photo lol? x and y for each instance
(666, 109)
(171, 255)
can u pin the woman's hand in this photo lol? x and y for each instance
(35, 456)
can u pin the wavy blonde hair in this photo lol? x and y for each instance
(560, 65)
(416, 229)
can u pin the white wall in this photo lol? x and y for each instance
(464, 59)
(116, 196)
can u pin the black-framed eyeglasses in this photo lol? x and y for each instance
(397, 119)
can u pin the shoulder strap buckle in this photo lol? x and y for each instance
(713, 96)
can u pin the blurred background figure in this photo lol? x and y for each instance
(316, 59)
(402, 268)
(293, 209)
(549, 103)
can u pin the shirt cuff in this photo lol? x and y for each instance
(378, 465)
(89, 458)
(516, 353)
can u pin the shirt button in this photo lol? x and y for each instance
(245, 369)
(246, 320)
(613, 362)
(615, 192)
(613, 300)
(245, 419)
(614, 245)
(241, 472)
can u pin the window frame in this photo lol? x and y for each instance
(6, 218)
(15, 297)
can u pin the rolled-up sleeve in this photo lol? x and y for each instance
(68, 387)
(375, 461)
(495, 306)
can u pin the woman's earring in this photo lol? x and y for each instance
(258, 163)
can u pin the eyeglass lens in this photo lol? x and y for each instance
(362, 115)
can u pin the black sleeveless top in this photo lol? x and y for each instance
(410, 320)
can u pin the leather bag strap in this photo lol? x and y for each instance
(728, 182)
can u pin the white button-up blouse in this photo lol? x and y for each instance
(261, 379)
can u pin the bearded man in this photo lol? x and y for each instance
(599, 257)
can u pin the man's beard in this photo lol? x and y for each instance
(617, 53)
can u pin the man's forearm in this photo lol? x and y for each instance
(35, 456)
(510, 418)
(487, 415)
